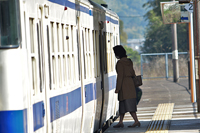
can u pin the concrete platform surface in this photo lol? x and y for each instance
(185, 117)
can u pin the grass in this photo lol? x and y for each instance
(155, 66)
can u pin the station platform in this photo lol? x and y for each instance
(165, 107)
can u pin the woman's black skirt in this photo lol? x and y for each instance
(128, 105)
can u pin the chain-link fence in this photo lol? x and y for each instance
(159, 65)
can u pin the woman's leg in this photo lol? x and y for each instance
(134, 115)
(137, 123)
(121, 118)
(120, 124)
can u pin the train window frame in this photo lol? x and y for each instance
(69, 69)
(49, 57)
(33, 55)
(86, 53)
(53, 55)
(83, 42)
(58, 36)
(108, 51)
(52, 37)
(105, 68)
(67, 42)
(72, 38)
(111, 52)
(94, 53)
(15, 25)
(78, 53)
(63, 37)
(40, 54)
(98, 53)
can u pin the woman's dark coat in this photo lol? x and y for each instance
(125, 84)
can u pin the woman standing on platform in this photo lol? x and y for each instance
(125, 86)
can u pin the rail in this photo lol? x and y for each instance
(166, 63)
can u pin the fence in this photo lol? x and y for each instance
(159, 65)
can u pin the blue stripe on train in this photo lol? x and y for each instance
(16, 121)
(13, 121)
(65, 104)
(38, 115)
(80, 8)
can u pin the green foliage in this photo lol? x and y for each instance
(133, 55)
(123, 35)
(131, 13)
(158, 37)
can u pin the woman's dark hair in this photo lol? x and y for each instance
(119, 51)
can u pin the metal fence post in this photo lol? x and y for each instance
(141, 62)
(166, 66)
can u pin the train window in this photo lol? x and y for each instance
(87, 63)
(67, 35)
(60, 71)
(85, 40)
(79, 71)
(64, 70)
(31, 25)
(58, 39)
(108, 51)
(111, 51)
(33, 56)
(72, 41)
(39, 54)
(73, 69)
(69, 67)
(84, 54)
(90, 63)
(34, 75)
(52, 37)
(104, 52)
(49, 58)
(54, 72)
(89, 40)
(63, 38)
(25, 30)
(94, 53)
(97, 53)
(10, 34)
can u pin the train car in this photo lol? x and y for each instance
(57, 66)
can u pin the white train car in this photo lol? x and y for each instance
(57, 66)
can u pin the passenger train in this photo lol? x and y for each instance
(57, 66)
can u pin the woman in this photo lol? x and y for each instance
(125, 86)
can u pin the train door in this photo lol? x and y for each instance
(38, 94)
(87, 86)
(102, 71)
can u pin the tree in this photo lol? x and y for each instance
(158, 38)
(133, 55)
(123, 35)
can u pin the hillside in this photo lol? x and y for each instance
(131, 13)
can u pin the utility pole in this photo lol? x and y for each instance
(175, 52)
(197, 50)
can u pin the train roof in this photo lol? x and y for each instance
(102, 8)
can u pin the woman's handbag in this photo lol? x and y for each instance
(138, 94)
(137, 80)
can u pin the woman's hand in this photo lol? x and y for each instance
(116, 91)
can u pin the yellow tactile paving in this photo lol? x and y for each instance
(161, 119)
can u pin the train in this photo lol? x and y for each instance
(57, 66)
